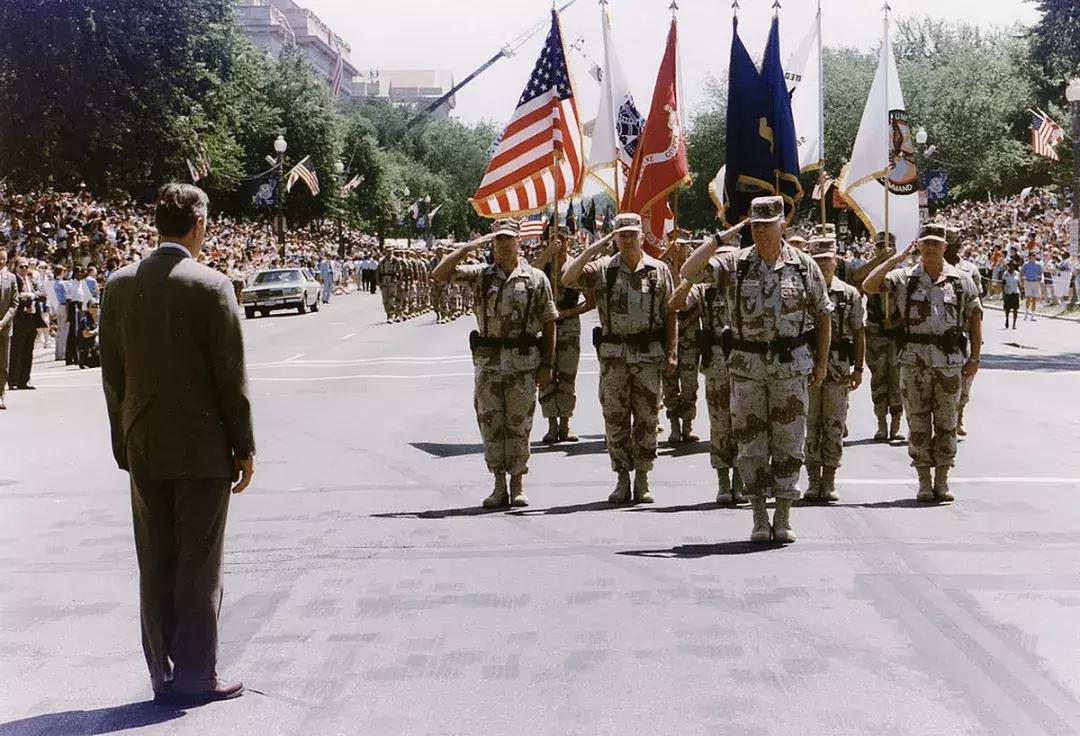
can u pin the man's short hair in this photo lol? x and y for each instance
(178, 207)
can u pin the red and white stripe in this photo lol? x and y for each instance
(522, 177)
(531, 229)
(304, 174)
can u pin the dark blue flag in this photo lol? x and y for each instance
(265, 192)
(779, 123)
(750, 169)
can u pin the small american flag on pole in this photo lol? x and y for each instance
(199, 170)
(350, 185)
(533, 228)
(538, 159)
(1045, 135)
(304, 174)
(339, 73)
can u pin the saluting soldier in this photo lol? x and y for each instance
(779, 309)
(559, 398)
(703, 287)
(952, 256)
(827, 415)
(681, 385)
(881, 349)
(512, 351)
(636, 342)
(934, 302)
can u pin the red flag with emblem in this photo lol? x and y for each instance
(660, 166)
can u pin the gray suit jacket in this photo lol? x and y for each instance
(172, 365)
(9, 300)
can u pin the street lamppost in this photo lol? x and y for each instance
(280, 146)
(1072, 94)
(339, 170)
(921, 137)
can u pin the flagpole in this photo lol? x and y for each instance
(821, 109)
(888, 123)
(674, 8)
(617, 169)
(553, 231)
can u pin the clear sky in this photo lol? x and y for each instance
(459, 35)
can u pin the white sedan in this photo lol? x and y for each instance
(282, 288)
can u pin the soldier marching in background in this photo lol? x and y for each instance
(559, 398)
(881, 349)
(681, 385)
(827, 414)
(636, 342)
(512, 351)
(703, 289)
(952, 256)
(934, 302)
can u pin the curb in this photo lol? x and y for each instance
(1074, 317)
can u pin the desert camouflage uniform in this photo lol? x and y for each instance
(769, 393)
(972, 271)
(681, 387)
(930, 377)
(828, 406)
(559, 399)
(714, 320)
(386, 277)
(505, 378)
(881, 359)
(630, 383)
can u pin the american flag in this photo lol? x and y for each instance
(304, 174)
(200, 169)
(339, 73)
(533, 228)
(523, 176)
(1045, 135)
(350, 185)
(821, 188)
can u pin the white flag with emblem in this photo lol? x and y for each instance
(804, 79)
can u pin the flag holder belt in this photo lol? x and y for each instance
(844, 349)
(640, 340)
(782, 346)
(522, 343)
(951, 342)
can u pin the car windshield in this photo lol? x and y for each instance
(277, 277)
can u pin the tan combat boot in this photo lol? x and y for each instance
(894, 427)
(688, 432)
(926, 486)
(552, 435)
(781, 522)
(762, 531)
(736, 487)
(676, 432)
(565, 435)
(723, 493)
(828, 484)
(517, 491)
(813, 489)
(941, 485)
(882, 432)
(960, 430)
(499, 497)
(621, 494)
(642, 494)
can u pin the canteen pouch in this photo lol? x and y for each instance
(474, 339)
(597, 336)
(725, 342)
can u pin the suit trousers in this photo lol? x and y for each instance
(22, 353)
(5, 346)
(62, 329)
(179, 542)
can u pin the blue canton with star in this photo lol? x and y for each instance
(550, 71)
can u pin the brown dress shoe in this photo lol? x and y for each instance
(220, 691)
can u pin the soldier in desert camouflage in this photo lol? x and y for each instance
(681, 385)
(935, 304)
(512, 350)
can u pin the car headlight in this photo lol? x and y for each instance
(295, 291)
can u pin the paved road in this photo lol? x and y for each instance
(365, 594)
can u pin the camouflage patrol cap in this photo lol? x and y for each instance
(766, 209)
(798, 240)
(952, 236)
(933, 231)
(879, 240)
(506, 227)
(627, 222)
(823, 244)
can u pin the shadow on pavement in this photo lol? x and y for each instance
(704, 506)
(900, 503)
(867, 441)
(682, 449)
(1059, 363)
(101, 720)
(449, 450)
(695, 551)
(573, 509)
(477, 510)
(444, 450)
(571, 449)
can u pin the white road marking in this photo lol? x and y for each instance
(346, 337)
(298, 356)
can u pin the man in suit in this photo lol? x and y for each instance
(172, 359)
(9, 292)
(30, 303)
